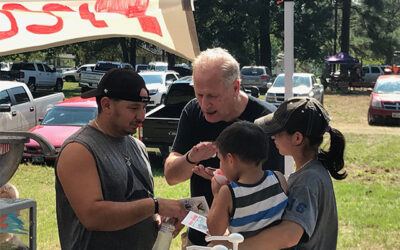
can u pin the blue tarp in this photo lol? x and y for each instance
(341, 58)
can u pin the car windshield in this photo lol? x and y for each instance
(161, 68)
(297, 81)
(106, 66)
(388, 86)
(141, 67)
(252, 71)
(152, 79)
(69, 116)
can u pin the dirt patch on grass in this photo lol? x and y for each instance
(368, 175)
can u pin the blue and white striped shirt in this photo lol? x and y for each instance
(255, 206)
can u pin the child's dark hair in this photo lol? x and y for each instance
(333, 159)
(245, 140)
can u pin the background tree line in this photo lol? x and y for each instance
(252, 30)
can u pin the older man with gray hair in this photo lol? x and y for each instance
(219, 102)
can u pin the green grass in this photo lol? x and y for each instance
(71, 89)
(368, 200)
(368, 216)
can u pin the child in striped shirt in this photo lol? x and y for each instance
(252, 198)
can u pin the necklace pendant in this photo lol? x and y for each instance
(128, 160)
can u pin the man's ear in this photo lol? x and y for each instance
(105, 104)
(236, 86)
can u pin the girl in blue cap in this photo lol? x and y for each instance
(310, 219)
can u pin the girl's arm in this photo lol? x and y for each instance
(218, 216)
(284, 235)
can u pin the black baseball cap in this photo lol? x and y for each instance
(124, 84)
(303, 114)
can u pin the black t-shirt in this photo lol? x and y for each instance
(194, 128)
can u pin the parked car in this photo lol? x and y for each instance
(304, 84)
(90, 79)
(157, 83)
(384, 104)
(158, 66)
(183, 69)
(19, 111)
(37, 75)
(74, 75)
(161, 123)
(6, 66)
(371, 72)
(255, 76)
(60, 122)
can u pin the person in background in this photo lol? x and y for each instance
(254, 198)
(218, 103)
(310, 219)
(104, 183)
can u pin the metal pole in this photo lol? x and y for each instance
(289, 65)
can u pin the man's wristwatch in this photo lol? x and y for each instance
(155, 205)
(187, 158)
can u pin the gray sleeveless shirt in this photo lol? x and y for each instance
(118, 183)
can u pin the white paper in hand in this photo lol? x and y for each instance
(196, 221)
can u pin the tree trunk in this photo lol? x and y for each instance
(132, 51)
(345, 37)
(265, 41)
(256, 50)
(124, 48)
(171, 60)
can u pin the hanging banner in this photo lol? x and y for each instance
(28, 25)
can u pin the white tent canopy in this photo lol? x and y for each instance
(28, 25)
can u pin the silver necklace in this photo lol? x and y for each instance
(126, 157)
(98, 126)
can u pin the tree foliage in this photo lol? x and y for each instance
(377, 26)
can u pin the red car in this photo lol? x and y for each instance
(60, 122)
(385, 100)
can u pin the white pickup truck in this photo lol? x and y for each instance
(90, 79)
(37, 75)
(19, 111)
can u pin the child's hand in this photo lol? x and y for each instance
(220, 177)
(217, 182)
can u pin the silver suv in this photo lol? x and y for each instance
(255, 76)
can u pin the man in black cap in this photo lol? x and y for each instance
(104, 183)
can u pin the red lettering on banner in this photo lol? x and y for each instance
(150, 24)
(129, 8)
(14, 27)
(86, 14)
(57, 7)
(37, 28)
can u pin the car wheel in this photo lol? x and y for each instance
(371, 120)
(31, 84)
(70, 79)
(59, 85)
